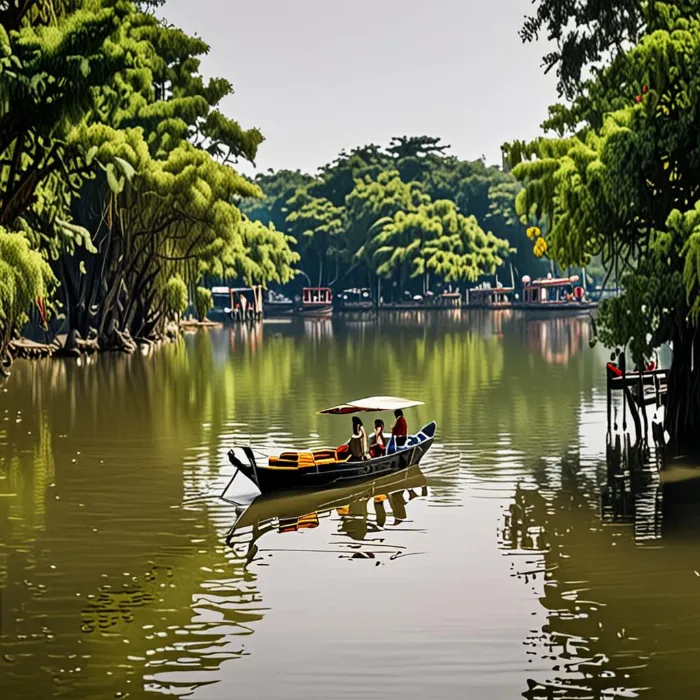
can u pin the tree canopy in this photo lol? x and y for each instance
(623, 183)
(116, 163)
(355, 220)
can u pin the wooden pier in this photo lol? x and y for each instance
(639, 388)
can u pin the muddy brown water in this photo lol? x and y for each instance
(496, 570)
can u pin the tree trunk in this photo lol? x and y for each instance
(683, 399)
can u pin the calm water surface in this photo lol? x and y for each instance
(498, 570)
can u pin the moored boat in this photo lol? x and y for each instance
(487, 297)
(292, 470)
(355, 300)
(559, 295)
(316, 301)
(276, 305)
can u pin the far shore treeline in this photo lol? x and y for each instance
(409, 214)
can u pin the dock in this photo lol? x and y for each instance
(639, 388)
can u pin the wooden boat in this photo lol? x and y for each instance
(321, 468)
(355, 300)
(559, 295)
(490, 298)
(316, 301)
(441, 302)
(238, 303)
(277, 305)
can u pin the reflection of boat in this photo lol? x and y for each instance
(316, 301)
(298, 505)
(319, 468)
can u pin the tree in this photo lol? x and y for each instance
(368, 184)
(319, 223)
(629, 191)
(435, 239)
(25, 279)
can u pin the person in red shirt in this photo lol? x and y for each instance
(399, 429)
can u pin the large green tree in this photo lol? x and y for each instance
(625, 184)
(115, 163)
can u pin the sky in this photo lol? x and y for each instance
(321, 76)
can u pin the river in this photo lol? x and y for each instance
(497, 570)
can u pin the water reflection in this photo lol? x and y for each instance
(618, 577)
(360, 511)
(120, 569)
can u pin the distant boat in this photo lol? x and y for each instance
(429, 302)
(558, 295)
(315, 301)
(355, 300)
(238, 303)
(487, 297)
(277, 305)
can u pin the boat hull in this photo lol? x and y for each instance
(270, 479)
(279, 309)
(294, 504)
(349, 307)
(315, 311)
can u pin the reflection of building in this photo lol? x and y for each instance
(318, 329)
(557, 340)
(248, 337)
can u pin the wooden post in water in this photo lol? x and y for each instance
(623, 369)
(609, 376)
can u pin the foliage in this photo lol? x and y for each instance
(334, 216)
(115, 162)
(25, 279)
(626, 186)
(174, 297)
(203, 302)
(436, 239)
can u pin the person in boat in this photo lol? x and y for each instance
(399, 429)
(359, 447)
(377, 446)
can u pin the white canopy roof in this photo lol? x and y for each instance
(374, 404)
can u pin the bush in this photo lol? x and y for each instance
(25, 279)
(203, 302)
(175, 297)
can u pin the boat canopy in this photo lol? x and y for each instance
(372, 403)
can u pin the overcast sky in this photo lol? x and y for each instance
(319, 76)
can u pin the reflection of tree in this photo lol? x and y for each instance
(620, 614)
(96, 548)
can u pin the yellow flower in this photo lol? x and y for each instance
(533, 232)
(540, 247)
